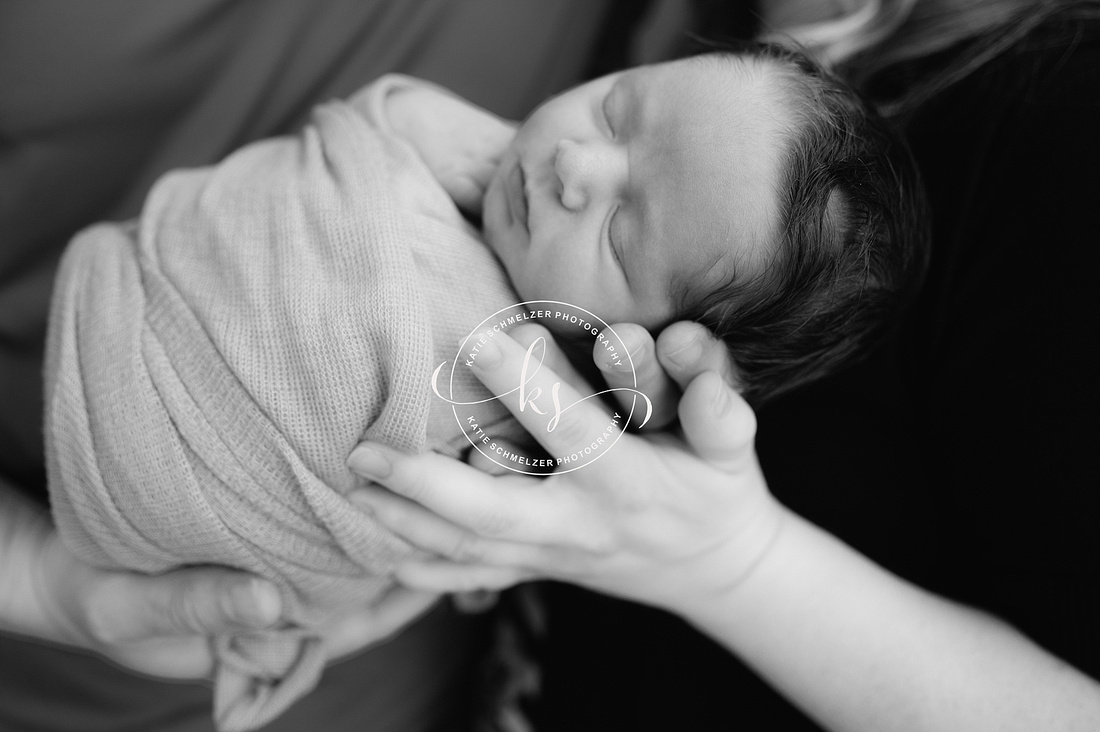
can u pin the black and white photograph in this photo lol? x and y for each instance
(549, 366)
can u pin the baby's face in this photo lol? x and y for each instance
(621, 193)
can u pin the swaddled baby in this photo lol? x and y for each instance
(212, 364)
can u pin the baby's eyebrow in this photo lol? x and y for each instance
(623, 101)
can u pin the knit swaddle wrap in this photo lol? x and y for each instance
(211, 367)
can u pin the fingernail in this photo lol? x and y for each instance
(608, 366)
(622, 364)
(635, 356)
(369, 463)
(486, 356)
(687, 354)
(256, 603)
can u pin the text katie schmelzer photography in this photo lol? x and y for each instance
(480, 418)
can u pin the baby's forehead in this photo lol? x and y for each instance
(725, 133)
(733, 74)
(719, 108)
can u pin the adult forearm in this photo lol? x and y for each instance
(857, 648)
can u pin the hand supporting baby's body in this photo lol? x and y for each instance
(213, 363)
(159, 625)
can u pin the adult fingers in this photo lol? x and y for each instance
(443, 576)
(508, 508)
(481, 461)
(549, 407)
(179, 657)
(637, 369)
(553, 357)
(717, 423)
(687, 349)
(199, 601)
(475, 601)
(428, 531)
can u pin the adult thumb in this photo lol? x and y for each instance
(194, 601)
(719, 425)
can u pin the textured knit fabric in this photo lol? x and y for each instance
(100, 99)
(211, 365)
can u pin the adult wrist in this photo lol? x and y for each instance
(719, 577)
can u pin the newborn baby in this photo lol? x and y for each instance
(212, 364)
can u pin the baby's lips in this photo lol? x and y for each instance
(517, 195)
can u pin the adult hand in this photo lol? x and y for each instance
(160, 625)
(686, 523)
(461, 142)
(662, 519)
(662, 368)
(157, 625)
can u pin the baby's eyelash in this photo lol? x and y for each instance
(606, 116)
(611, 239)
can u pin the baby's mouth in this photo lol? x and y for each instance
(517, 194)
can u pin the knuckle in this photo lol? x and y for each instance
(596, 543)
(414, 483)
(747, 424)
(101, 620)
(572, 564)
(473, 603)
(182, 612)
(469, 583)
(395, 520)
(572, 429)
(465, 548)
(494, 524)
(527, 333)
(742, 421)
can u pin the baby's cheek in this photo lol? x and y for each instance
(531, 284)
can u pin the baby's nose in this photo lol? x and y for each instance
(583, 169)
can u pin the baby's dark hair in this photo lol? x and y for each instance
(853, 239)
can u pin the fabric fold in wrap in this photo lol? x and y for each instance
(211, 366)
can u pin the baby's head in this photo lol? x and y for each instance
(747, 190)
